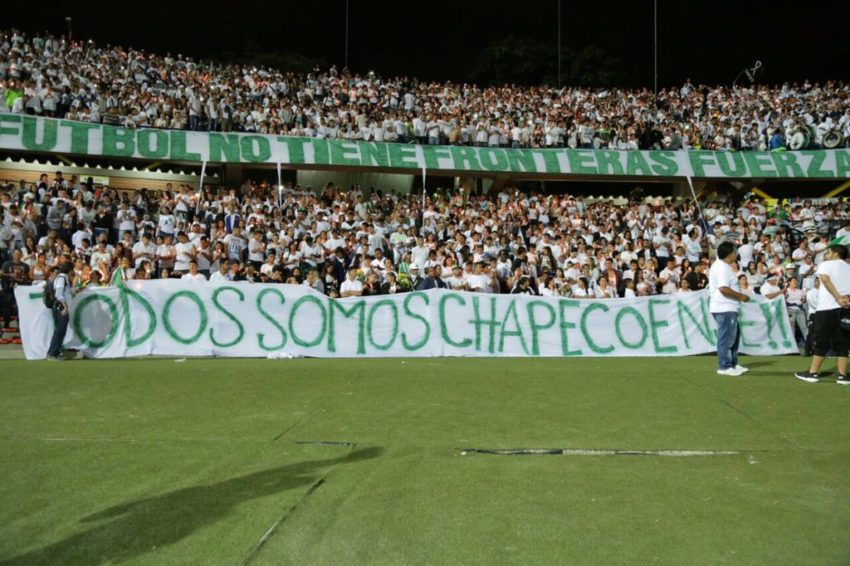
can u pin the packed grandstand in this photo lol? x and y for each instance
(50, 76)
(351, 241)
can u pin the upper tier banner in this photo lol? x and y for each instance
(47, 135)
(180, 318)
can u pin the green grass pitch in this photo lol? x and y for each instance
(246, 462)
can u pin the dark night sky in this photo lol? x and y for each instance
(708, 42)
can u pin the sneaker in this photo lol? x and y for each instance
(807, 376)
(741, 368)
(55, 359)
(843, 380)
(734, 372)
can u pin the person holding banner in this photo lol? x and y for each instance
(60, 311)
(725, 297)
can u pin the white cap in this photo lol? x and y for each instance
(413, 266)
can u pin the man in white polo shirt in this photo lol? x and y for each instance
(725, 296)
(833, 295)
(351, 287)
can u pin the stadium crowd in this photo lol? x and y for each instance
(353, 242)
(79, 80)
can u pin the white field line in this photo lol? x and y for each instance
(599, 452)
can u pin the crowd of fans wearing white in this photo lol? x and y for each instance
(354, 242)
(80, 80)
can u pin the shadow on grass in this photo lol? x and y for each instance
(137, 527)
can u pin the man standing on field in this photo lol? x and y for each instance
(725, 296)
(834, 276)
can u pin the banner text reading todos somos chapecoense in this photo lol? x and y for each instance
(175, 318)
(46, 135)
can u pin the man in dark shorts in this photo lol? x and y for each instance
(833, 296)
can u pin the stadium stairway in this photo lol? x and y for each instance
(11, 334)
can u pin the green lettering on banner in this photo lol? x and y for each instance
(294, 149)
(743, 323)
(517, 329)
(760, 164)
(166, 317)
(358, 308)
(229, 315)
(79, 135)
(644, 331)
(125, 295)
(550, 159)
(344, 153)
(323, 317)
(465, 159)
(403, 156)
(493, 159)
(224, 147)
(566, 325)
(609, 162)
(178, 147)
(491, 323)
(731, 163)
(370, 324)
(522, 160)
(46, 134)
(160, 145)
(636, 164)
(444, 328)
(774, 315)
(586, 333)
(427, 335)
(655, 324)
(30, 134)
(119, 142)
(10, 119)
(842, 163)
(786, 164)
(818, 157)
(108, 336)
(704, 327)
(699, 159)
(665, 163)
(535, 326)
(582, 161)
(433, 153)
(255, 149)
(261, 338)
(374, 154)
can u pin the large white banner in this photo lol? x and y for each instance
(176, 318)
(47, 135)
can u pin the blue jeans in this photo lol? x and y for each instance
(60, 322)
(728, 338)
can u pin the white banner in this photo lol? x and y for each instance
(176, 318)
(47, 135)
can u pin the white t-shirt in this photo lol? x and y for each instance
(721, 275)
(839, 273)
(768, 288)
(183, 256)
(139, 248)
(195, 277)
(349, 285)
